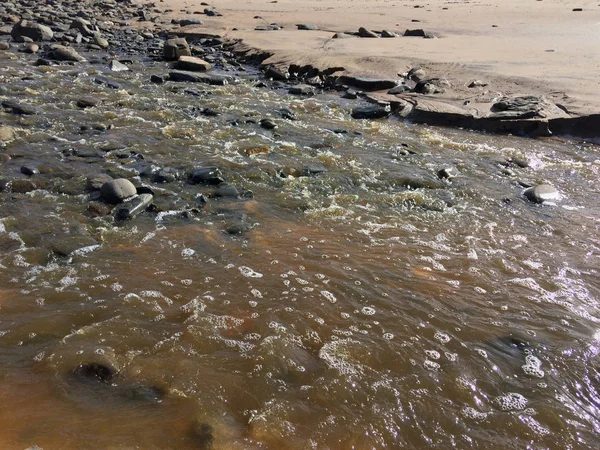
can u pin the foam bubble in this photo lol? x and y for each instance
(329, 296)
(249, 273)
(533, 367)
(511, 402)
(472, 413)
(368, 311)
(441, 337)
(432, 354)
(431, 365)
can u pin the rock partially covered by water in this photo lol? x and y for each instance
(6, 134)
(62, 53)
(115, 191)
(370, 112)
(202, 434)
(31, 30)
(175, 48)
(133, 206)
(104, 372)
(207, 175)
(541, 193)
(194, 77)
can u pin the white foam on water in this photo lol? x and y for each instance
(472, 413)
(441, 337)
(431, 365)
(511, 402)
(368, 311)
(249, 273)
(329, 296)
(533, 367)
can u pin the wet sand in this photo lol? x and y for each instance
(517, 48)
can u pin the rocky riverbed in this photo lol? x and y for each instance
(196, 254)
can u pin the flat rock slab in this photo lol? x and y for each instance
(193, 64)
(194, 77)
(367, 84)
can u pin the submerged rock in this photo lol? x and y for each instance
(96, 371)
(202, 434)
(207, 175)
(62, 53)
(195, 77)
(143, 393)
(133, 206)
(370, 112)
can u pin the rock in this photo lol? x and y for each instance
(541, 193)
(287, 113)
(97, 209)
(192, 63)
(207, 175)
(30, 170)
(20, 108)
(365, 33)
(276, 73)
(133, 206)
(96, 182)
(66, 245)
(98, 79)
(175, 48)
(400, 89)
(34, 447)
(159, 79)
(100, 41)
(268, 124)
(307, 26)
(447, 173)
(117, 66)
(267, 28)
(416, 74)
(226, 191)
(202, 434)
(302, 89)
(388, 34)
(4, 158)
(195, 77)
(83, 26)
(187, 22)
(6, 133)
(477, 83)
(143, 393)
(341, 36)
(22, 186)
(31, 30)
(87, 102)
(103, 372)
(211, 12)
(524, 107)
(238, 227)
(29, 48)
(62, 53)
(430, 86)
(418, 32)
(115, 191)
(366, 84)
(4, 45)
(370, 112)
(166, 175)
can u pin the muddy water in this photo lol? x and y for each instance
(370, 305)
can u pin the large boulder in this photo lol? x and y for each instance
(115, 191)
(31, 30)
(175, 48)
(62, 53)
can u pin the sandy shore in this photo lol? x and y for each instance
(516, 47)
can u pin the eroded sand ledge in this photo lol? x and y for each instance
(539, 48)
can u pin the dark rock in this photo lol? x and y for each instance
(302, 89)
(430, 86)
(174, 48)
(30, 170)
(96, 371)
(541, 193)
(97, 209)
(212, 12)
(202, 434)
(159, 79)
(276, 73)
(268, 124)
(365, 33)
(133, 206)
(477, 83)
(98, 79)
(418, 32)
(193, 64)
(31, 30)
(115, 191)
(388, 34)
(195, 77)
(267, 28)
(62, 53)
(447, 173)
(370, 112)
(400, 89)
(366, 84)
(66, 245)
(307, 26)
(341, 36)
(87, 102)
(288, 114)
(350, 95)
(83, 26)
(207, 175)
(166, 175)
(187, 22)
(416, 74)
(22, 186)
(20, 108)
(226, 191)
(238, 227)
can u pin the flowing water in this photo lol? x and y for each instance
(370, 305)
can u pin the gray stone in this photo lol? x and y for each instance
(20, 108)
(83, 26)
(31, 30)
(302, 89)
(307, 26)
(117, 66)
(186, 22)
(6, 134)
(447, 173)
(541, 193)
(133, 206)
(196, 77)
(226, 191)
(29, 170)
(96, 182)
(365, 33)
(62, 53)
(400, 89)
(388, 34)
(115, 191)
(207, 175)
(174, 48)
(370, 112)
(87, 102)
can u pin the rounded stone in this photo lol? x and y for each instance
(541, 193)
(115, 191)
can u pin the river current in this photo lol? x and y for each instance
(370, 304)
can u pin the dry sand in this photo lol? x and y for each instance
(517, 46)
